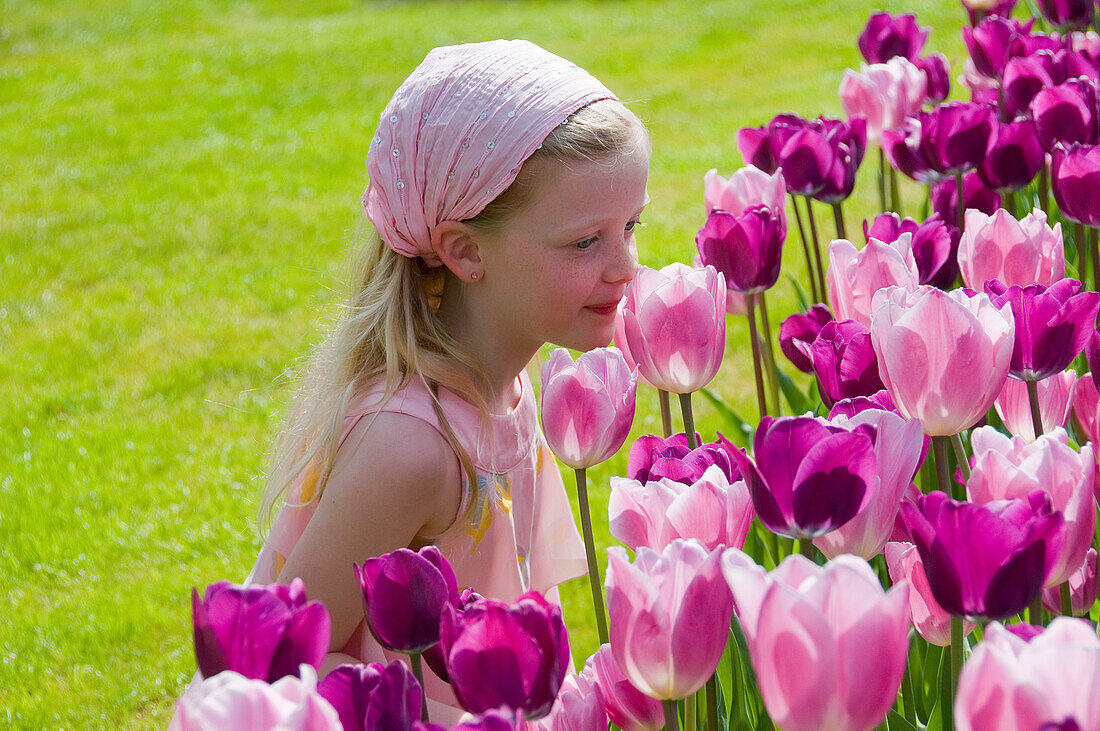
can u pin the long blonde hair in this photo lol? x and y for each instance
(389, 330)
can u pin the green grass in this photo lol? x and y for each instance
(180, 182)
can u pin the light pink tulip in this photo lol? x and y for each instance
(579, 705)
(1008, 683)
(1009, 467)
(627, 707)
(653, 514)
(943, 356)
(1014, 406)
(883, 93)
(669, 616)
(587, 406)
(1082, 589)
(854, 277)
(747, 187)
(1021, 252)
(898, 446)
(673, 326)
(928, 617)
(229, 700)
(1086, 408)
(827, 643)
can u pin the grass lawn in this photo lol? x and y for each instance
(180, 183)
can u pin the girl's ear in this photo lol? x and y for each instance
(455, 245)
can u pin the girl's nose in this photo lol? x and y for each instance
(625, 265)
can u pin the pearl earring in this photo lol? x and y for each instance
(474, 275)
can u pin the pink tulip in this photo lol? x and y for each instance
(827, 643)
(943, 356)
(1004, 468)
(898, 446)
(587, 406)
(854, 277)
(1086, 409)
(1051, 682)
(229, 700)
(626, 706)
(747, 187)
(1082, 589)
(1021, 252)
(673, 326)
(579, 706)
(1014, 406)
(928, 617)
(653, 514)
(883, 93)
(669, 616)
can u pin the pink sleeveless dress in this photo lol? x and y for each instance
(514, 531)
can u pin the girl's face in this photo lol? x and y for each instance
(557, 270)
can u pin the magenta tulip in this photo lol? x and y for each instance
(1066, 114)
(903, 150)
(937, 77)
(579, 706)
(884, 94)
(849, 141)
(828, 644)
(929, 619)
(844, 362)
(1075, 179)
(653, 514)
(943, 356)
(1082, 589)
(1051, 682)
(1067, 15)
(802, 328)
(849, 407)
(748, 187)
(587, 406)
(989, 44)
(945, 197)
(855, 276)
(262, 632)
(930, 241)
(673, 324)
(747, 248)
(886, 36)
(626, 706)
(1014, 406)
(669, 616)
(955, 135)
(653, 458)
(1024, 77)
(1021, 252)
(513, 655)
(373, 696)
(1013, 157)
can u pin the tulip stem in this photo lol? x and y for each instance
(769, 353)
(666, 412)
(960, 204)
(672, 720)
(817, 297)
(689, 421)
(712, 702)
(882, 179)
(948, 714)
(806, 547)
(418, 673)
(908, 709)
(1095, 256)
(943, 469)
(1009, 201)
(838, 219)
(590, 554)
(1035, 610)
(817, 247)
(960, 455)
(1033, 399)
(1079, 243)
(1044, 188)
(761, 402)
(895, 195)
(1067, 598)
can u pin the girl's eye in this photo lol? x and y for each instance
(586, 244)
(633, 225)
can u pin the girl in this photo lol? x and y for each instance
(505, 186)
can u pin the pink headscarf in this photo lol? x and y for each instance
(456, 132)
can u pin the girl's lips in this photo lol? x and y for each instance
(605, 309)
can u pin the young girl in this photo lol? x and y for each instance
(505, 186)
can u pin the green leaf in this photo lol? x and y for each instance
(799, 402)
(739, 430)
(799, 294)
(897, 722)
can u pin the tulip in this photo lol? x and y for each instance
(976, 10)
(1075, 179)
(930, 241)
(373, 696)
(1021, 252)
(983, 560)
(747, 188)
(886, 36)
(943, 356)
(1005, 468)
(809, 477)
(828, 644)
(844, 362)
(937, 77)
(806, 158)
(579, 706)
(673, 324)
(747, 248)
(436, 656)
(653, 514)
(1014, 406)
(945, 198)
(231, 700)
(262, 632)
(929, 619)
(1066, 114)
(1067, 15)
(587, 406)
(955, 135)
(849, 407)
(1024, 630)
(1086, 409)
(1082, 589)
(653, 458)
(989, 43)
(507, 655)
(404, 593)
(1024, 77)
(854, 277)
(849, 141)
(1050, 682)
(1013, 156)
(898, 452)
(903, 150)
(802, 328)
(670, 614)
(626, 706)
(884, 94)
(500, 719)
(1053, 325)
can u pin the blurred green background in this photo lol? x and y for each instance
(179, 184)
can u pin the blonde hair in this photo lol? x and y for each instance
(389, 330)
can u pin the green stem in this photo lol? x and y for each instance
(1035, 611)
(769, 354)
(1095, 256)
(672, 720)
(817, 247)
(882, 179)
(1067, 599)
(761, 402)
(806, 547)
(418, 673)
(960, 208)
(712, 703)
(817, 297)
(956, 668)
(895, 194)
(690, 705)
(1033, 399)
(960, 455)
(1044, 189)
(838, 219)
(666, 412)
(1009, 201)
(943, 469)
(689, 420)
(590, 554)
(907, 696)
(1080, 243)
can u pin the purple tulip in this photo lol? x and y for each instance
(261, 632)
(937, 77)
(849, 407)
(886, 36)
(808, 477)
(1075, 179)
(1070, 64)
(807, 159)
(802, 328)
(1013, 158)
(404, 593)
(1024, 77)
(1067, 15)
(989, 43)
(844, 362)
(945, 200)
(373, 696)
(849, 141)
(653, 458)
(507, 655)
(627, 707)
(930, 243)
(954, 136)
(1053, 325)
(435, 657)
(747, 248)
(1066, 114)
(903, 150)
(977, 10)
(983, 560)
